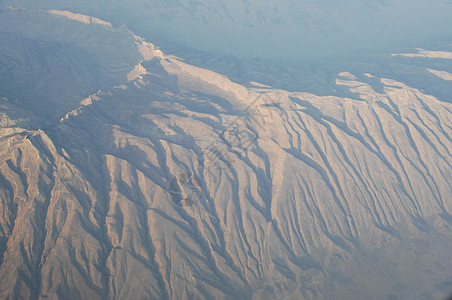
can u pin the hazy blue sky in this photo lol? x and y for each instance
(285, 28)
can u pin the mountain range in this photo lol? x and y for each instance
(127, 172)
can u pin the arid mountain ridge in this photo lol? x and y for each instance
(128, 173)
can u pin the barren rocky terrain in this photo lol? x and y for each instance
(127, 173)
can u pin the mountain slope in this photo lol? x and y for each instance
(173, 182)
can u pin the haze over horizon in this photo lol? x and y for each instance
(287, 29)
